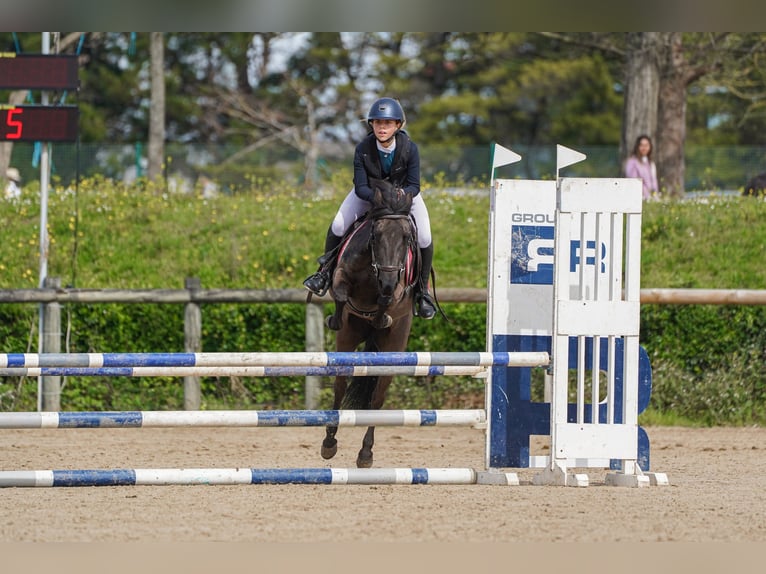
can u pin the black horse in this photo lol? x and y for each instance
(372, 286)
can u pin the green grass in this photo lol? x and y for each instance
(106, 235)
(714, 243)
(654, 418)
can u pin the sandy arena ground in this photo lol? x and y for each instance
(717, 491)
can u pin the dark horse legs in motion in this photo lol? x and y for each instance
(373, 291)
(363, 392)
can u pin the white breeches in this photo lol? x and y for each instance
(353, 208)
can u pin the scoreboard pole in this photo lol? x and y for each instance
(48, 388)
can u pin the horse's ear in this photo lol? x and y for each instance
(377, 191)
(377, 195)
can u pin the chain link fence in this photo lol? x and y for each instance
(227, 168)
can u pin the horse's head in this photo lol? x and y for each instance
(392, 238)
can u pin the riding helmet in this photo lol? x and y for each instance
(386, 109)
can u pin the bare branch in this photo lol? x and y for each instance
(597, 40)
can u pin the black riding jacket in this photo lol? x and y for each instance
(405, 171)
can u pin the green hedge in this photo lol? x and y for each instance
(708, 362)
(704, 370)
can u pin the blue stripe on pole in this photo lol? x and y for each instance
(367, 359)
(16, 360)
(87, 371)
(419, 476)
(150, 359)
(427, 418)
(127, 419)
(117, 477)
(298, 418)
(292, 476)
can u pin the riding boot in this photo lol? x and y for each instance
(319, 282)
(425, 306)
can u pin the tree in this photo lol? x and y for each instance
(660, 67)
(728, 105)
(157, 109)
(642, 88)
(467, 89)
(284, 94)
(309, 103)
(730, 63)
(677, 71)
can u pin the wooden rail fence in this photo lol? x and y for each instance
(192, 296)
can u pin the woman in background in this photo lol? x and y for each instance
(641, 165)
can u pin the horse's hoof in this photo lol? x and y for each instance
(329, 448)
(364, 461)
(332, 323)
(385, 322)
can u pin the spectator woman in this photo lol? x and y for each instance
(641, 165)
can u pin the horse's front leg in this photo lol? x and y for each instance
(382, 320)
(330, 443)
(340, 293)
(335, 321)
(365, 457)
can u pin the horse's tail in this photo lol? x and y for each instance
(359, 393)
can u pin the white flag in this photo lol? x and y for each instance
(566, 156)
(503, 156)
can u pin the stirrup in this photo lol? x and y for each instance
(318, 283)
(426, 309)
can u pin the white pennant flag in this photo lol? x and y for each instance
(503, 156)
(566, 156)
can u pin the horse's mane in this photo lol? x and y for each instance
(388, 199)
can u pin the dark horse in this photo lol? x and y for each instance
(756, 186)
(373, 291)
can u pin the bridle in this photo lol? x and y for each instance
(377, 267)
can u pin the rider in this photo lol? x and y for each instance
(386, 152)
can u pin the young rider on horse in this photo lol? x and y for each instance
(386, 152)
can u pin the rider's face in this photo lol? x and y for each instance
(385, 129)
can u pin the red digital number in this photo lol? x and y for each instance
(15, 123)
